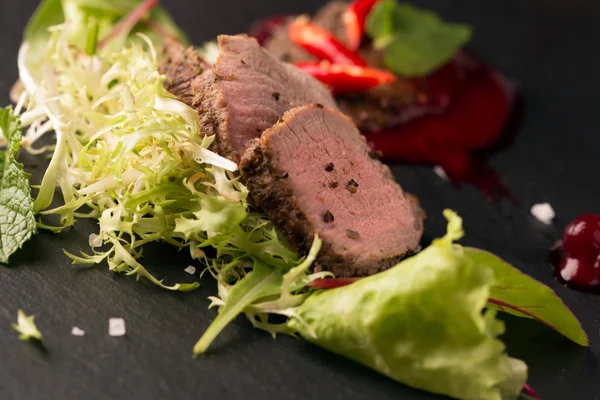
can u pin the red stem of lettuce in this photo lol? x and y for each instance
(528, 390)
(127, 23)
(158, 28)
(331, 283)
(502, 304)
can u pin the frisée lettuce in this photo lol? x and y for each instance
(129, 155)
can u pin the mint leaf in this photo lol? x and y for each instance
(414, 42)
(17, 220)
(518, 294)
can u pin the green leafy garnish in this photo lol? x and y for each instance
(422, 323)
(262, 281)
(264, 289)
(26, 327)
(130, 156)
(92, 38)
(17, 220)
(88, 20)
(520, 295)
(414, 42)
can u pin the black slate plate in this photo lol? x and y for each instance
(548, 47)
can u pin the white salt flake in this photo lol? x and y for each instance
(439, 171)
(570, 269)
(94, 240)
(116, 327)
(190, 269)
(76, 331)
(543, 212)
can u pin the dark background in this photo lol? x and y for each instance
(548, 47)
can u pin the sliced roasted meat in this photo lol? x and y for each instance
(312, 173)
(245, 92)
(181, 66)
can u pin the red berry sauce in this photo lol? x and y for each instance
(577, 259)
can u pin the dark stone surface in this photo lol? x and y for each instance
(547, 47)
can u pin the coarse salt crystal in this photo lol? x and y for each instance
(76, 331)
(116, 327)
(190, 269)
(94, 240)
(439, 171)
(543, 212)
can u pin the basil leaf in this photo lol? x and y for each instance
(518, 294)
(414, 42)
(17, 219)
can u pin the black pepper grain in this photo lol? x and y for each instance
(376, 155)
(328, 217)
(284, 175)
(352, 234)
(334, 185)
(329, 167)
(276, 96)
(258, 130)
(352, 186)
(319, 105)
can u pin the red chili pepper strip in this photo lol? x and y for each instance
(354, 19)
(346, 78)
(321, 43)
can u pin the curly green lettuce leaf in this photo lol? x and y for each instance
(518, 294)
(83, 15)
(422, 323)
(264, 289)
(17, 219)
(130, 155)
(262, 281)
(414, 42)
(26, 327)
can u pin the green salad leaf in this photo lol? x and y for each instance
(520, 295)
(422, 323)
(26, 327)
(262, 281)
(17, 220)
(83, 15)
(266, 288)
(414, 42)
